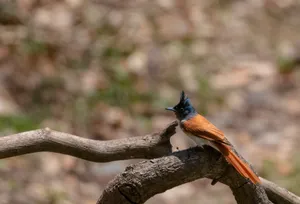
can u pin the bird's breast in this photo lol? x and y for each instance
(198, 140)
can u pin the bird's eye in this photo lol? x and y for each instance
(181, 109)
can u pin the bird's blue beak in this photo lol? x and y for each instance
(171, 109)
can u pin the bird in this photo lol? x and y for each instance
(203, 132)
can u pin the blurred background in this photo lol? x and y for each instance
(106, 69)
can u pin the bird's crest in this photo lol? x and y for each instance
(184, 100)
(183, 97)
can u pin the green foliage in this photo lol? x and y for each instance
(268, 169)
(114, 52)
(120, 93)
(293, 179)
(287, 64)
(18, 123)
(54, 196)
(206, 95)
(34, 47)
(187, 40)
(290, 181)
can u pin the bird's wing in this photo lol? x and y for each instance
(200, 127)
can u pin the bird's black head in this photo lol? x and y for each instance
(184, 109)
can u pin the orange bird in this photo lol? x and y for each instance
(202, 132)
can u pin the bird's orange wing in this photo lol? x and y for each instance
(200, 127)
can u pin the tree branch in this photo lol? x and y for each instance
(278, 194)
(149, 146)
(143, 180)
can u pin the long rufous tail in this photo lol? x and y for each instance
(237, 163)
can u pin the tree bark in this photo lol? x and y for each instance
(141, 181)
(145, 179)
(46, 140)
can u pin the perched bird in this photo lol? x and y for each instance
(202, 132)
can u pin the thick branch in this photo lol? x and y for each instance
(149, 146)
(141, 181)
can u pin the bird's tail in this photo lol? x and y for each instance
(242, 167)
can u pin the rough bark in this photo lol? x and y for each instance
(149, 146)
(141, 181)
(145, 179)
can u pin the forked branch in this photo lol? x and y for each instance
(143, 180)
